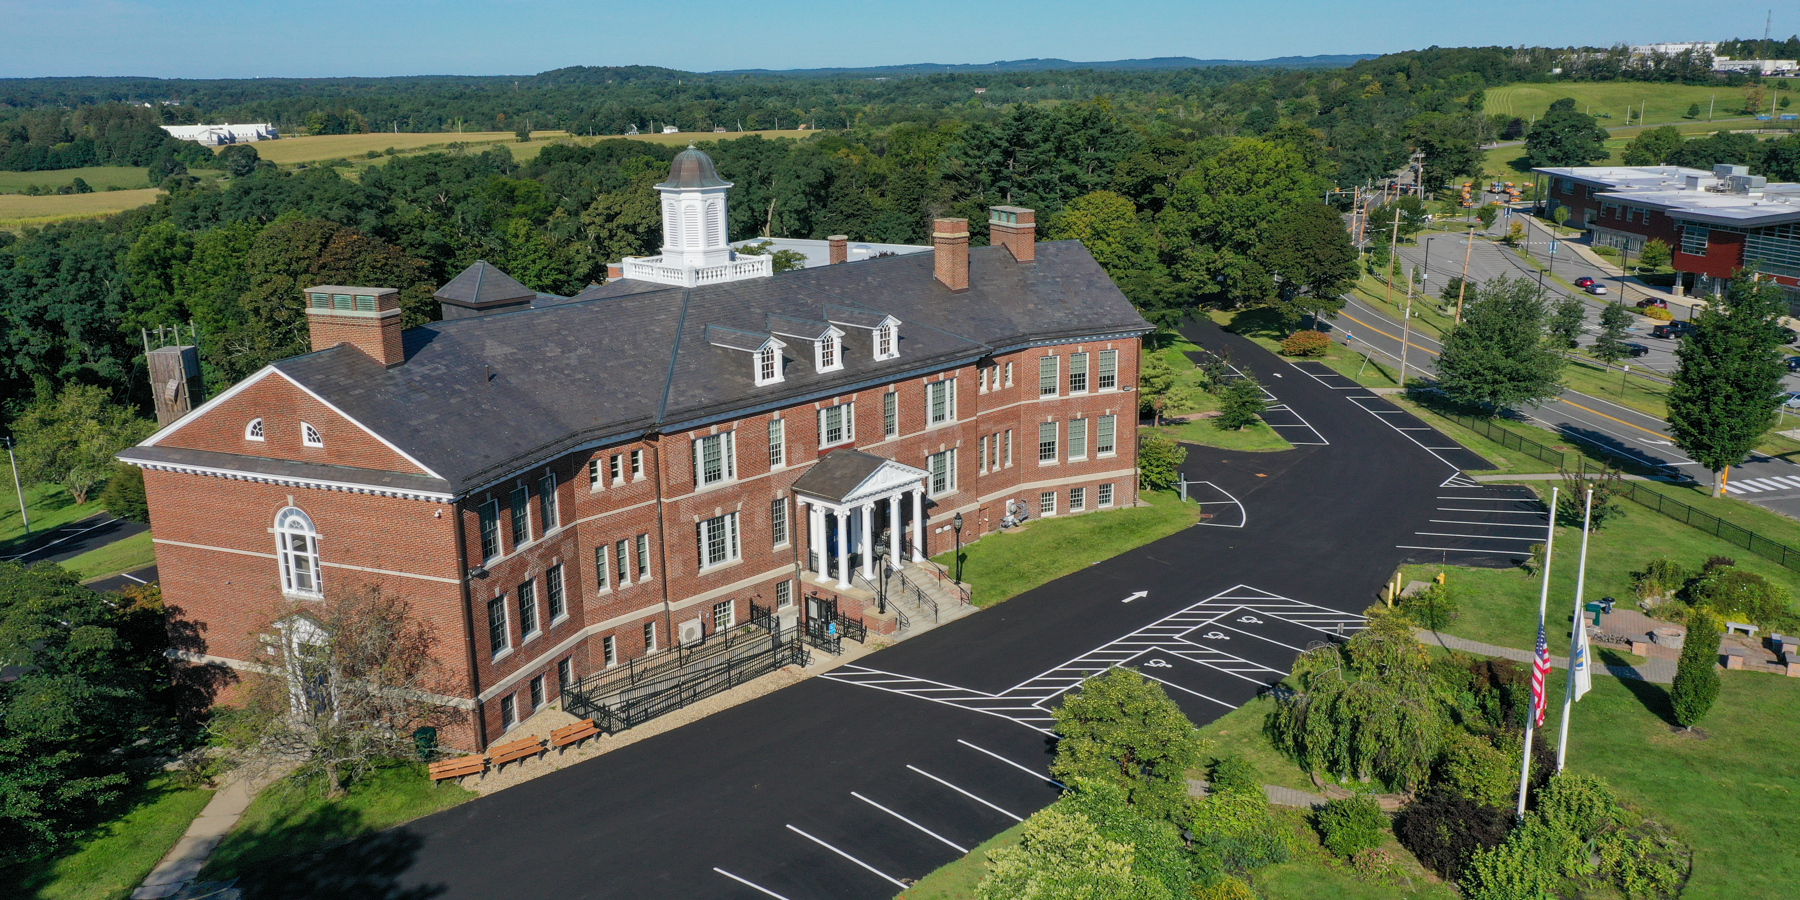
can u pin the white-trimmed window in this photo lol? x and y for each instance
(1007, 454)
(490, 530)
(643, 557)
(297, 545)
(1047, 369)
(777, 442)
(715, 459)
(649, 637)
(310, 435)
(940, 401)
(547, 502)
(565, 672)
(1078, 429)
(1077, 499)
(1078, 373)
(837, 425)
(554, 593)
(890, 414)
(509, 712)
(887, 345)
(609, 646)
(254, 430)
(778, 521)
(499, 636)
(1109, 370)
(1047, 503)
(595, 481)
(602, 566)
(828, 351)
(1009, 374)
(718, 540)
(784, 594)
(1105, 495)
(537, 692)
(1105, 437)
(521, 516)
(637, 464)
(942, 467)
(528, 610)
(768, 365)
(1046, 442)
(622, 555)
(981, 462)
(723, 615)
(616, 467)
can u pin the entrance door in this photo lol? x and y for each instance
(820, 609)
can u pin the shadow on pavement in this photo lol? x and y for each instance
(368, 868)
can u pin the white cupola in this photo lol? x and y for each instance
(696, 248)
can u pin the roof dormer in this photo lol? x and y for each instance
(764, 349)
(826, 338)
(884, 330)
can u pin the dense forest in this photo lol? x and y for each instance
(1182, 182)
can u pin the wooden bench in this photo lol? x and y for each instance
(569, 735)
(513, 751)
(458, 768)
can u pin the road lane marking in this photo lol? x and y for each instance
(748, 883)
(962, 792)
(895, 881)
(954, 845)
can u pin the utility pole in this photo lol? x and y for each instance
(1463, 286)
(1405, 332)
(17, 485)
(1393, 242)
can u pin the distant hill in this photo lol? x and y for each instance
(1333, 61)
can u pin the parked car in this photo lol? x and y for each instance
(1791, 399)
(1596, 288)
(1647, 304)
(1794, 364)
(1583, 281)
(1788, 335)
(1675, 330)
(1636, 349)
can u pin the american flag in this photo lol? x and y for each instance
(1540, 667)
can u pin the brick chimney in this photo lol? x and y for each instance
(1015, 228)
(615, 271)
(840, 248)
(950, 237)
(367, 318)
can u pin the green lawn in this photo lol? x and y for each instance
(1607, 100)
(1240, 732)
(1313, 873)
(109, 863)
(1251, 437)
(1006, 564)
(99, 178)
(128, 555)
(290, 818)
(49, 505)
(956, 880)
(1506, 461)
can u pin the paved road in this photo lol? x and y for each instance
(851, 784)
(74, 539)
(1766, 481)
(146, 575)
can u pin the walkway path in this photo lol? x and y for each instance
(1660, 671)
(189, 855)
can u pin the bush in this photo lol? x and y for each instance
(1644, 866)
(1696, 683)
(1432, 608)
(1473, 768)
(1234, 775)
(1733, 593)
(1608, 252)
(1240, 402)
(1442, 830)
(1659, 314)
(1226, 888)
(1579, 804)
(1515, 870)
(1307, 344)
(1159, 462)
(1350, 826)
(1658, 580)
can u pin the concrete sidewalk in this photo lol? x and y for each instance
(189, 855)
(1660, 671)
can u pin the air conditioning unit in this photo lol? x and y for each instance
(692, 632)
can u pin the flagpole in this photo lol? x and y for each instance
(1543, 602)
(1562, 741)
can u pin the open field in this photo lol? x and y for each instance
(18, 210)
(311, 149)
(1606, 100)
(99, 178)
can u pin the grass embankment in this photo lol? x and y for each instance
(126, 555)
(956, 880)
(1006, 564)
(18, 211)
(1174, 350)
(109, 862)
(100, 178)
(50, 507)
(294, 817)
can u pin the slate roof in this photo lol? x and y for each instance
(482, 284)
(838, 473)
(479, 399)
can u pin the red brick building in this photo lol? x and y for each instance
(560, 485)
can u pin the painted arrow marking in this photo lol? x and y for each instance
(1136, 596)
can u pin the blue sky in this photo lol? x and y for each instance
(251, 38)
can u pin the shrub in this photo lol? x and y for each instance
(1433, 607)
(1696, 674)
(1350, 826)
(1159, 461)
(1307, 344)
(1658, 580)
(1442, 829)
(1644, 866)
(1579, 804)
(1473, 768)
(1735, 593)
(1240, 402)
(1608, 252)
(1659, 314)
(1515, 870)
(1378, 866)
(1234, 775)
(1226, 888)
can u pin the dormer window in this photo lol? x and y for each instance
(828, 352)
(768, 365)
(254, 430)
(310, 435)
(885, 343)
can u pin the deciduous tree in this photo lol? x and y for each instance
(1499, 356)
(1566, 323)
(1308, 252)
(1610, 347)
(1726, 387)
(70, 439)
(1122, 729)
(1565, 136)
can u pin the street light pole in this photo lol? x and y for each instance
(956, 526)
(17, 485)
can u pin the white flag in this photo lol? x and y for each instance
(1581, 666)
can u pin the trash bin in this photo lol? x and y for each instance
(425, 739)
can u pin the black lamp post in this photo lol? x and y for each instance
(881, 558)
(956, 526)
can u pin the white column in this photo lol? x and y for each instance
(843, 550)
(815, 537)
(866, 544)
(894, 560)
(918, 524)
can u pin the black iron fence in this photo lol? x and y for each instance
(819, 633)
(1489, 429)
(651, 686)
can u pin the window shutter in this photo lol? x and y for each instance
(849, 421)
(730, 455)
(699, 454)
(951, 401)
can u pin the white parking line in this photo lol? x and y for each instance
(1463, 550)
(954, 845)
(1476, 537)
(73, 534)
(962, 792)
(895, 881)
(1495, 524)
(134, 578)
(748, 883)
(1494, 512)
(1194, 692)
(1009, 762)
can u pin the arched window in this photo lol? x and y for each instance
(768, 365)
(254, 430)
(310, 435)
(884, 343)
(297, 546)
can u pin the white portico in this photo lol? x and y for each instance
(696, 249)
(851, 497)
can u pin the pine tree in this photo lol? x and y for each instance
(1240, 403)
(1726, 390)
(1697, 674)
